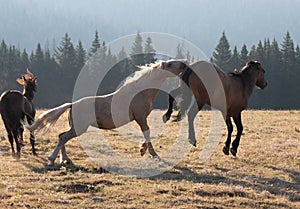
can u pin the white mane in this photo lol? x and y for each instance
(144, 70)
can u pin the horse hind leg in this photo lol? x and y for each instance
(147, 144)
(228, 140)
(64, 159)
(16, 137)
(63, 138)
(11, 141)
(10, 137)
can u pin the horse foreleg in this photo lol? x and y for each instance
(239, 126)
(228, 141)
(191, 116)
(172, 95)
(32, 142)
(63, 138)
(32, 138)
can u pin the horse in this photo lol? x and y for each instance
(131, 102)
(237, 87)
(15, 106)
(179, 92)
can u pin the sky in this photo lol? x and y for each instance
(27, 22)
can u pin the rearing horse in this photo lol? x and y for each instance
(132, 101)
(237, 87)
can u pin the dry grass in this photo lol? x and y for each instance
(266, 173)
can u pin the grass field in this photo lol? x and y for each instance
(265, 173)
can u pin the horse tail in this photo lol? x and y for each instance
(48, 118)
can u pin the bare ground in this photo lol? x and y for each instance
(265, 173)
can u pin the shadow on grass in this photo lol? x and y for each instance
(44, 167)
(275, 185)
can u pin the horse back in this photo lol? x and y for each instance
(12, 105)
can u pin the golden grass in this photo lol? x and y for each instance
(265, 173)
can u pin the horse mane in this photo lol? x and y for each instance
(244, 69)
(144, 70)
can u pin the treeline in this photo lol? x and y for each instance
(282, 65)
(57, 71)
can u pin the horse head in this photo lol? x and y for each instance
(29, 81)
(175, 66)
(260, 79)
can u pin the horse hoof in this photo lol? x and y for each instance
(18, 156)
(166, 118)
(156, 157)
(233, 152)
(193, 142)
(66, 162)
(226, 150)
(143, 149)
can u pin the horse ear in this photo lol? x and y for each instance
(20, 81)
(251, 63)
(29, 73)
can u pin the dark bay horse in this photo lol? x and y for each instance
(236, 86)
(15, 106)
(132, 101)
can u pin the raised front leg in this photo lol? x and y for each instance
(236, 142)
(174, 93)
(228, 141)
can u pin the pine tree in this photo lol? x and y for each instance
(267, 55)
(95, 44)
(149, 51)
(24, 59)
(252, 53)
(65, 55)
(244, 55)
(288, 53)
(222, 53)
(179, 52)
(37, 59)
(235, 59)
(297, 56)
(80, 55)
(122, 55)
(188, 56)
(136, 55)
(260, 54)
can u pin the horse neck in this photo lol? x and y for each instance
(29, 94)
(151, 80)
(249, 80)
